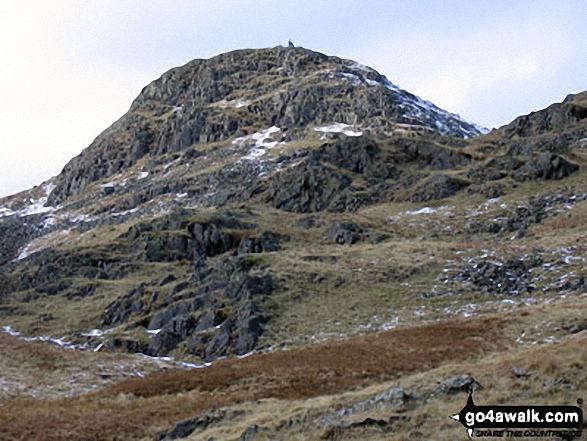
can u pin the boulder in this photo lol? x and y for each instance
(344, 233)
(545, 166)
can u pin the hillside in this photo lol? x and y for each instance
(291, 230)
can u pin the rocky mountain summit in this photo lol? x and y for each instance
(197, 223)
(240, 93)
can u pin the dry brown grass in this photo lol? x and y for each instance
(138, 408)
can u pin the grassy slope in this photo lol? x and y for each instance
(310, 382)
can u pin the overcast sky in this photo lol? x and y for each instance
(69, 68)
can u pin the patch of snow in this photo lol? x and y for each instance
(372, 82)
(234, 103)
(391, 324)
(425, 210)
(355, 80)
(83, 218)
(263, 142)
(389, 85)
(26, 252)
(36, 245)
(166, 166)
(142, 175)
(248, 354)
(49, 188)
(97, 348)
(416, 107)
(49, 221)
(339, 128)
(56, 341)
(96, 333)
(153, 331)
(178, 363)
(359, 66)
(124, 213)
(9, 331)
(37, 206)
(108, 184)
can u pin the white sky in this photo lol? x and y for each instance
(69, 68)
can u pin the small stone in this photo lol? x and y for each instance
(521, 372)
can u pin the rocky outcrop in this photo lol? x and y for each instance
(545, 167)
(438, 186)
(179, 237)
(511, 277)
(519, 219)
(312, 187)
(555, 118)
(216, 313)
(201, 422)
(15, 234)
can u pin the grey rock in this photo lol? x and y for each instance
(186, 428)
(250, 433)
(454, 385)
(521, 372)
(344, 233)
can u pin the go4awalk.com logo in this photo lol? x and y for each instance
(520, 421)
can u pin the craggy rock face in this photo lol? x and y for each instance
(230, 95)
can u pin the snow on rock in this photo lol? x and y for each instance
(416, 107)
(343, 128)
(234, 103)
(118, 181)
(84, 218)
(4, 212)
(263, 142)
(124, 213)
(142, 175)
(40, 244)
(355, 79)
(37, 206)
